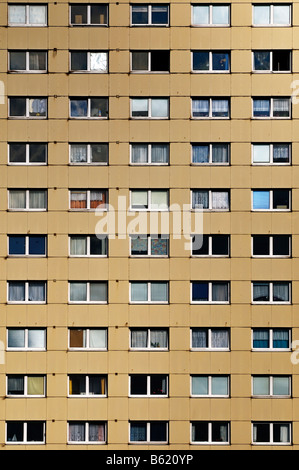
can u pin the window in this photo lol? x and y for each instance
(27, 15)
(88, 338)
(89, 154)
(271, 245)
(271, 292)
(150, 15)
(211, 292)
(88, 292)
(151, 245)
(20, 153)
(149, 154)
(274, 339)
(271, 200)
(95, 108)
(211, 245)
(271, 154)
(87, 385)
(272, 61)
(91, 432)
(216, 154)
(88, 245)
(153, 432)
(91, 61)
(210, 338)
(205, 199)
(149, 338)
(27, 108)
(149, 292)
(271, 108)
(26, 386)
(271, 433)
(89, 15)
(27, 292)
(25, 432)
(27, 245)
(152, 200)
(27, 199)
(154, 385)
(205, 432)
(150, 108)
(210, 386)
(277, 386)
(150, 61)
(210, 61)
(210, 108)
(210, 15)
(26, 338)
(88, 199)
(272, 15)
(27, 61)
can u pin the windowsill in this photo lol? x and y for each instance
(149, 256)
(155, 72)
(41, 118)
(26, 302)
(27, 71)
(210, 349)
(74, 443)
(27, 164)
(148, 349)
(149, 164)
(83, 395)
(271, 164)
(26, 349)
(210, 25)
(271, 303)
(82, 25)
(210, 256)
(271, 396)
(88, 349)
(226, 72)
(88, 71)
(208, 164)
(88, 210)
(200, 118)
(265, 118)
(88, 256)
(27, 256)
(271, 71)
(86, 118)
(210, 443)
(207, 302)
(271, 349)
(271, 256)
(88, 302)
(210, 396)
(88, 164)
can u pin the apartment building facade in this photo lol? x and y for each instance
(161, 337)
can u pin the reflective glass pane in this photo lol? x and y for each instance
(261, 386)
(17, 60)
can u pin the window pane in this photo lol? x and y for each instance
(220, 245)
(260, 338)
(281, 245)
(140, 61)
(281, 292)
(281, 61)
(37, 199)
(15, 385)
(37, 14)
(200, 385)
(261, 60)
(78, 291)
(220, 200)
(139, 153)
(281, 14)
(261, 200)
(281, 107)
(160, 61)
(219, 432)
(139, 199)
(159, 108)
(138, 384)
(98, 246)
(16, 292)
(77, 432)
(97, 385)
(159, 339)
(37, 245)
(139, 14)
(200, 153)
(99, 153)
(139, 107)
(160, 153)
(281, 199)
(96, 432)
(219, 386)
(261, 386)
(78, 14)
(16, 14)
(17, 199)
(36, 339)
(17, 153)
(37, 107)
(77, 338)
(158, 432)
(78, 108)
(201, 15)
(37, 292)
(98, 292)
(78, 60)
(159, 200)
(99, 61)
(35, 431)
(219, 339)
(158, 384)
(200, 108)
(98, 14)
(16, 338)
(139, 338)
(159, 14)
(159, 246)
(261, 108)
(220, 108)
(159, 292)
(281, 153)
(17, 107)
(17, 60)
(99, 107)
(35, 385)
(200, 245)
(97, 339)
(261, 154)
(78, 153)
(281, 432)
(37, 153)
(139, 292)
(200, 432)
(77, 385)
(220, 61)
(220, 153)
(220, 15)
(200, 291)
(281, 339)
(17, 245)
(261, 14)
(78, 199)
(78, 246)
(37, 60)
(220, 292)
(199, 338)
(139, 246)
(138, 432)
(201, 61)
(261, 245)
(15, 431)
(261, 292)
(281, 386)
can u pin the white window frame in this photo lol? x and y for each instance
(27, 155)
(87, 348)
(271, 99)
(271, 348)
(271, 152)
(149, 153)
(148, 347)
(210, 379)
(149, 286)
(27, 239)
(26, 347)
(271, 386)
(271, 62)
(27, 16)
(271, 301)
(150, 23)
(27, 112)
(149, 116)
(210, 208)
(149, 197)
(87, 208)
(27, 194)
(210, 116)
(271, 441)
(87, 301)
(25, 394)
(271, 255)
(88, 15)
(89, 152)
(88, 70)
(88, 255)
(272, 24)
(149, 250)
(211, 70)
(148, 427)
(211, 24)
(25, 441)
(210, 162)
(87, 441)
(148, 385)
(27, 54)
(27, 301)
(210, 441)
(209, 347)
(88, 116)
(210, 288)
(271, 209)
(87, 394)
(210, 247)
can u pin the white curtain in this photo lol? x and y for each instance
(200, 108)
(37, 107)
(159, 200)
(281, 153)
(158, 338)
(78, 246)
(16, 292)
(284, 432)
(220, 200)
(159, 108)
(160, 153)
(99, 61)
(159, 291)
(219, 339)
(97, 339)
(220, 292)
(17, 199)
(139, 153)
(200, 198)
(219, 153)
(37, 199)
(96, 432)
(219, 107)
(260, 291)
(281, 292)
(281, 106)
(78, 291)
(37, 14)
(37, 292)
(139, 338)
(98, 291)
(139, 291)
(77, 432)
(199, 338)
(78, 153)
(17, 14)
(200, 153)
(261, 107)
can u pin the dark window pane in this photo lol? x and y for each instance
(99, 153)
(281, 432)
(261, 292)
(15, 385)
(281, 292)
(159, 14)
(200, 245)
(79, 108)
(79, 61)
(17, 245)
(219, 432)
(159, 246)
(138, 432)
(139, 14)
(17, 107)
(281, 199)
(99, 107)
(35, 431)
(37, 153)
(160, 61)
(200, 60)
(99, 14)
(138, 385)
(17, 153)
(37, 60)
(261, 245)
(77, 384)
(200, 432)
(200, 291)
(262, 60)
(220, 61)
(140, 61)
(281, 61)
(17, 61)
(79, 14)
(262, 432)
(220, 245)
(281, 245)
(139, 246)
(97, 385)
(261, 338)
(15, 431)
(37, 245)
(158, 432)
(98, 246)
(158, 385)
